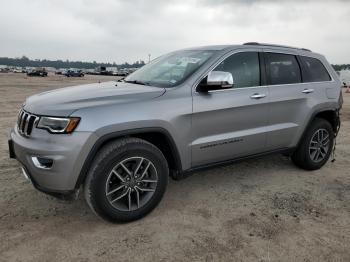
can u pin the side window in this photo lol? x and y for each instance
(244, 67)
(282, 69)
(314, 70)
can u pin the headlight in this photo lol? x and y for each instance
(58, 125)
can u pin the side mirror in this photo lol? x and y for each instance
(216, 80)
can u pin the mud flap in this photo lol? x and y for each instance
(338, 123)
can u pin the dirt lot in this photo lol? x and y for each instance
(258, 210)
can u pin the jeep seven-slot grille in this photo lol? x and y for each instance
(25, 123)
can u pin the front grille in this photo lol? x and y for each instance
(25, 122)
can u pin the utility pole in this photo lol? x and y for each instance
(149, 58)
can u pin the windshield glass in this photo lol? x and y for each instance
(171, 69)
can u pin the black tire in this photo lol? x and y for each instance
(112, 154)
(302, 156)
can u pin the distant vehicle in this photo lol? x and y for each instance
(126, 71)
(17, 70)
(102, 70)
(28, 69)
(72, 73)
(4, 70)
(37, 72)
(122, 73)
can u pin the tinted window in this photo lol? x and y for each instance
(244, 68)
(282, 69)
(314, 71)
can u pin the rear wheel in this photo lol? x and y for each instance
(316, 146)
(127, 180)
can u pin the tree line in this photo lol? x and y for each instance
(341, 67)
(25, 61)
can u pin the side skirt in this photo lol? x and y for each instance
(189, 172)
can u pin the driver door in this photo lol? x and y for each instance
(231, 123)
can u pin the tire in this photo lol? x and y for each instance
(145, 164)
(306, 155)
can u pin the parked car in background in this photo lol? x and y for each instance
(122, 72)
(37, 72)
(59, 72)
(185, 111)
(73, 73)
(17, 70)
(4, 70)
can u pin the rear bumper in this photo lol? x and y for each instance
(68, 153)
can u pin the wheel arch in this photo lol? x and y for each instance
(157, 136)
(329, 114)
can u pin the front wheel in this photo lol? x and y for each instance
(316, 146)
(127, 180)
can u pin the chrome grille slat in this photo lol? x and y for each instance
(25, 116)
(26, 123)
(20, 116)
(20, 121)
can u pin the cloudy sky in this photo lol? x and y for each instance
(117, 30)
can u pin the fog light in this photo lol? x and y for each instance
(42, 162)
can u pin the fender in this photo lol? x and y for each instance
(114, 135)
(335, 125)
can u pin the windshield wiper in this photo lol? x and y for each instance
(137, 82)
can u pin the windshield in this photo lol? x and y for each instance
(171, 69)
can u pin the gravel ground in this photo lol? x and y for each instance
(258, 210)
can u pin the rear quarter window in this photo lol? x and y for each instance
(314, 70)
(282, 69)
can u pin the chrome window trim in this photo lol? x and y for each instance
(254, 87)
(235, 89)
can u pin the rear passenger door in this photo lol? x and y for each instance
(288, 101)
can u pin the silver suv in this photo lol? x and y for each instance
(184, 111)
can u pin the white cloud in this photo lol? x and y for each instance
(116, 30)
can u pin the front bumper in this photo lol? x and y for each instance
(68, 153)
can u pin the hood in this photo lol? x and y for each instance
(64, 101)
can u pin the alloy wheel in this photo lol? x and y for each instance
(131, 183)
(319, 145)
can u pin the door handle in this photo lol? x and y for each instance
(307, 91)
(257, 96)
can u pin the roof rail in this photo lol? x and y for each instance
(264, 44)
